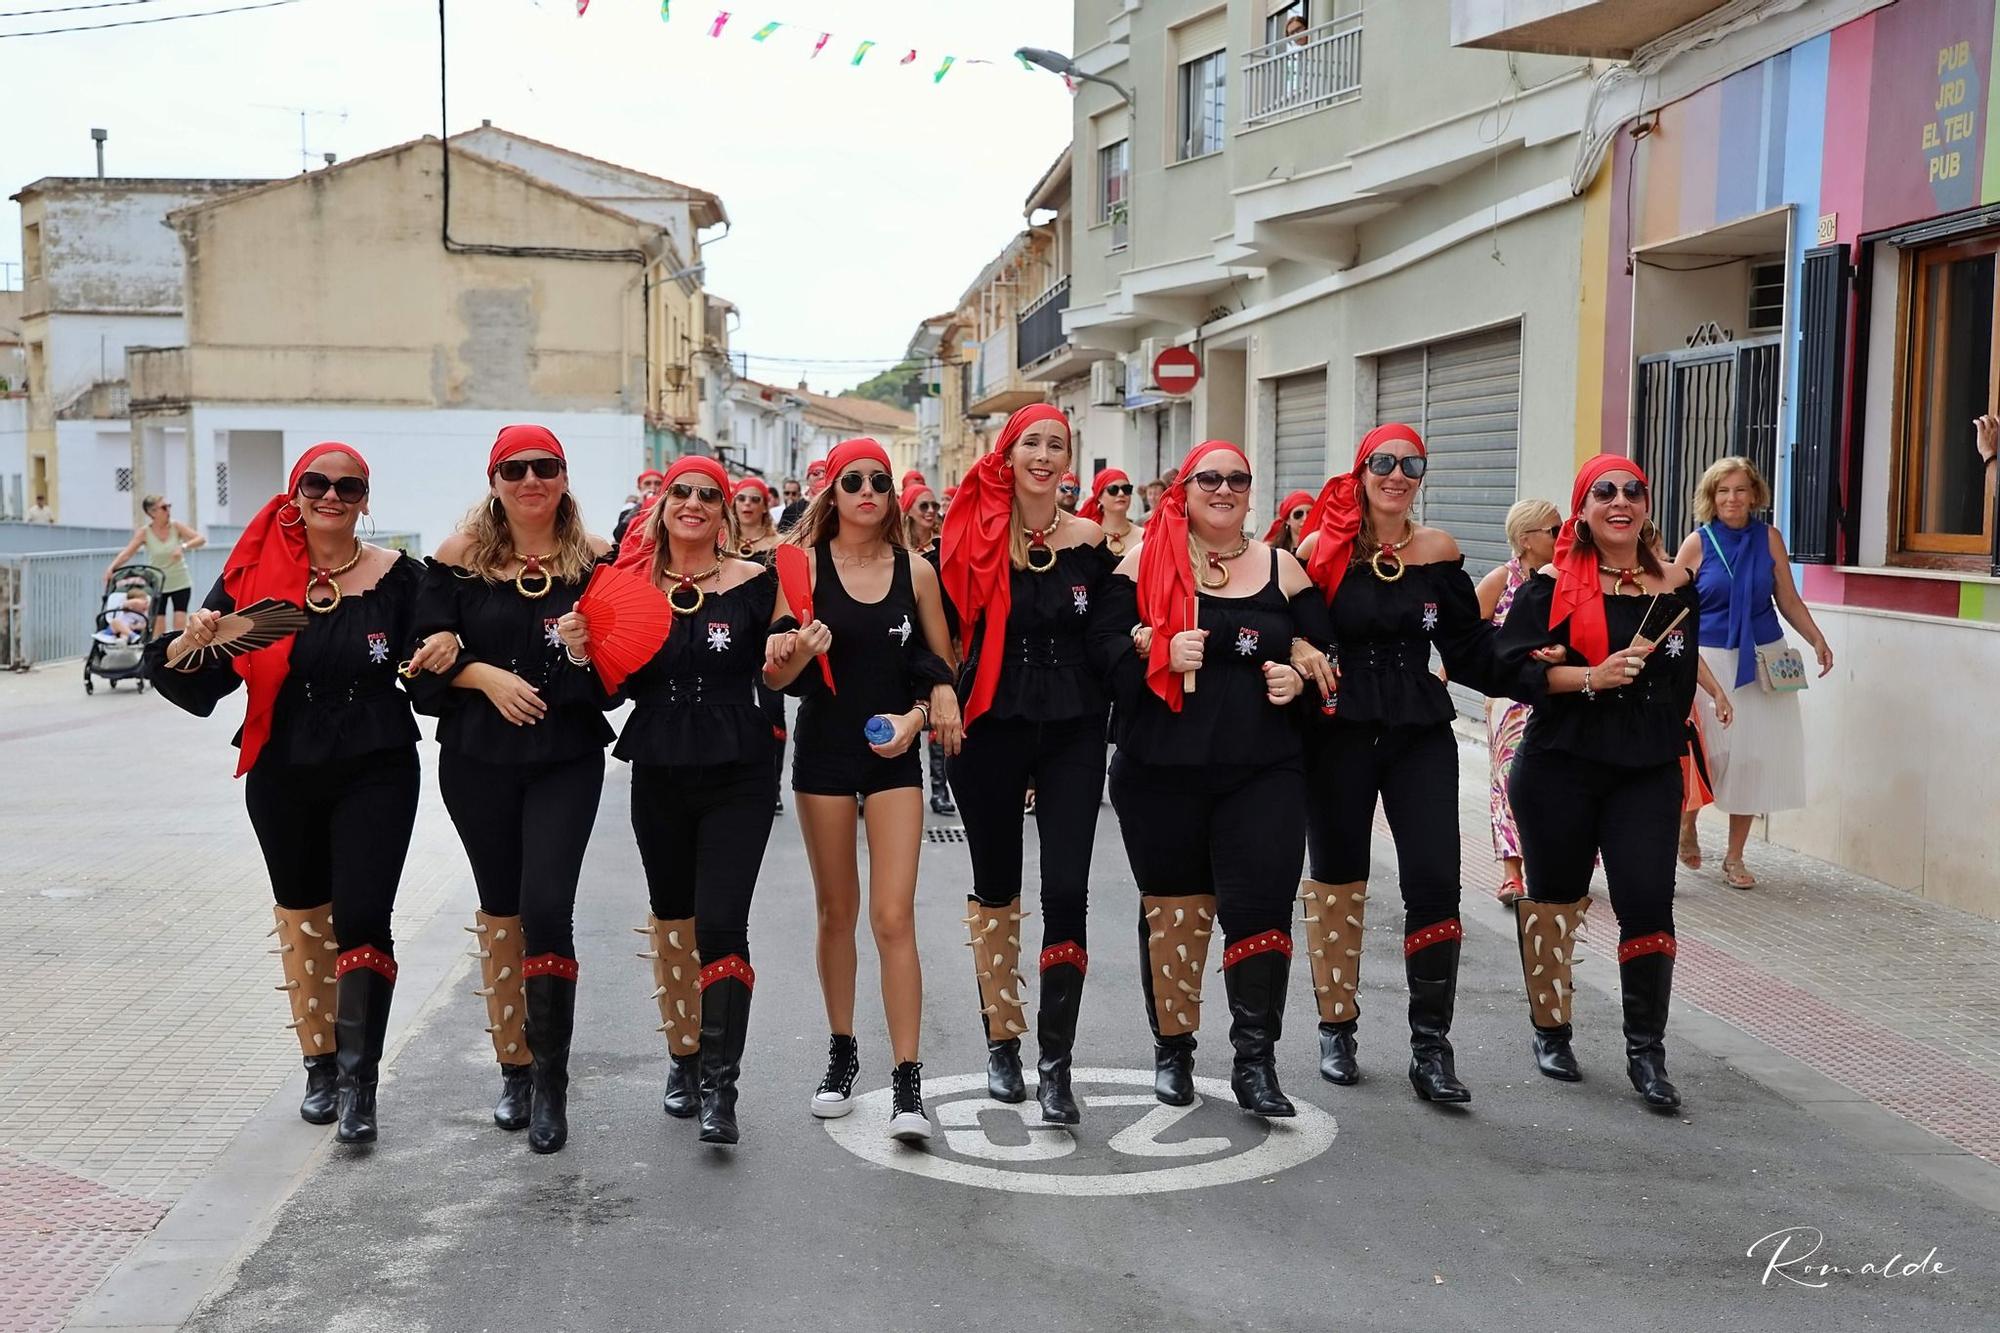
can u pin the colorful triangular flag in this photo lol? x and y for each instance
(944, 69)
(581, 5)
(721, 20)
(861, 52)
(820, 45)
(909, 59)
(665, 10)
(764, 32)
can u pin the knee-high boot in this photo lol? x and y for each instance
(996, 969)
(1063, 968)
(367, 980)
(940, 790)
(1254, 972)
(1430, 960)
(306, 951)
(1548, 957)
(1173, 950)
(726, 985)
(499, 955)
(1646, 973)
(551, 1020)
(677, 989)
(1333, 915)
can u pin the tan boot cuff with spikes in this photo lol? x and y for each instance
(307, 950)
(676, 982)
(996, 965)
(1177, 934)
(1548, 953)
(502, 985)
(1333, 914)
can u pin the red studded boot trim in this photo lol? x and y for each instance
(549, 965)
(1658, 942)
(732, 966)
(1267, 942)
(1067, 952)
(369, 957)
(1448, 929)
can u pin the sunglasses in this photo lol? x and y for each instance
(852, 482)
(1604, 492)
(1067, 490)
(546, 469)
(926, 506)
(1413, 465)
(1300, 515)
(1119, 488)
(1212, 482)
(1551, 532)
(315, 485)
(708, 495)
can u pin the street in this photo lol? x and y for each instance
(1542, 1205)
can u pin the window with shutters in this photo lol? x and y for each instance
(1950, 377)
(1203, 106)
(1114, 184)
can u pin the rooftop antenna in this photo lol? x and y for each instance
(99, 136)
(306, 153)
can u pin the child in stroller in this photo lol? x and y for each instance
(122, 627)
(126, 613)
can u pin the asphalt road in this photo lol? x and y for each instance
(1542, 1206)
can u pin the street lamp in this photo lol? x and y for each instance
(1055, 62)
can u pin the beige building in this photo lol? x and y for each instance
(828, 419)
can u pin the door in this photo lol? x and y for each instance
(1301, 454)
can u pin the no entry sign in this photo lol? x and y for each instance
(1177, 370)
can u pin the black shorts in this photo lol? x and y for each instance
(858, 771)
(177, 599)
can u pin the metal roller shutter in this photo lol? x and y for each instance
(1301, 460)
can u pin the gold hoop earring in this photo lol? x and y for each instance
(298, 522)
(493, 508)
(370, 520)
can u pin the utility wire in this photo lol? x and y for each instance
(133, 23)
(72, 9)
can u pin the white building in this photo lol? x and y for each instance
(762, 433)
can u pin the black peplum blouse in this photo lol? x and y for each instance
(696, 700)
(1383, 633)
(1046, 675)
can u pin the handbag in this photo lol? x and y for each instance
(1781, 669)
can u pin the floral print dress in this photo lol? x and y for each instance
(1506, 723)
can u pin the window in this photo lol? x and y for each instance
(222, 482)
(1280, 15)
(1767, 296)
(1114, 181)
(121, 480)
(1951, 376)
(31, 251)
(1203, 106)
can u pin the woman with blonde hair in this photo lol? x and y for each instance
(167, 543)
(1532, 526)
(861, 635)
(521, 736)
(1744, 577)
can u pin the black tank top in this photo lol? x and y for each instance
(875, 647)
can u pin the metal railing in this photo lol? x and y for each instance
(1290, 77)
(1040, 330)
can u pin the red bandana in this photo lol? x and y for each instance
(519, 439)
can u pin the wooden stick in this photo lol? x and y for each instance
(1187, 677)
(1638, 639)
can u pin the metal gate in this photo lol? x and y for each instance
(1695, 406)
(1301, 453)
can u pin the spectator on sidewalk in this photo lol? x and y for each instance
(1744, 577)
(167, 544)
(795, 505)
(39, 511)
(1532, 526)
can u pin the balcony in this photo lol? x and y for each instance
(993, 383)
(1607, 29)
(1039, 329)
(1290, 77)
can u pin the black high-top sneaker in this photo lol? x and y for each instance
(908, 1121)
(835, 1097)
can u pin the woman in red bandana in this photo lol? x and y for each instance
(1395, 589)
(862, 637)
(1110, 508)
(700, 750)
(1194, 633)
(1023, 575)
(1592, 642)
(328, 745)
(649, 488)
(1288, 528)
(521, 735)
(754, 534)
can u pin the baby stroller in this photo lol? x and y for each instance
(119, 634)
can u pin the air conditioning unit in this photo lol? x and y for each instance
(1149, 352)
(1107, 383)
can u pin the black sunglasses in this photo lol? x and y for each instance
(1605, 491)
(315, 485)
(852, 482)
(1413, 465)
(514, 469)
(1299, 515)
(925, 506)
(1119, 488)
(708, 495)
(1212, 482)
(1551, 533)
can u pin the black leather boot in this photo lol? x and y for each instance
(1055, 1031)
(940, 790)
(551, 1019)
(1430, 961)
(725, 1019)
(517, 1097)
(1553, 1055)
(683, 1084)
(1648, 982)
(361, 1023)
(1337, 1061)
(1256, 986)
(1004, 1079)
(1173, 949)
(322, 1075)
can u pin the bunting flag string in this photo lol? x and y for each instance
(820, 45)
(764, 33)
(721, 21)
(861, 52)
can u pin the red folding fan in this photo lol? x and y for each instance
(629, 620)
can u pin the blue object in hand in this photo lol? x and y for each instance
(879, 730)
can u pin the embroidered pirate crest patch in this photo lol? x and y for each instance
(1246, 641)
(718, 636)
(550, 633)
(1676, 644)
(378, 648)
(1080, 595)
(1430, 615)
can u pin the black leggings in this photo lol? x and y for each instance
(1571, 809)
(525, 827)
(338, 832)
(1415, 772)
(701, 832)
(1064, 762)
(1232, 830)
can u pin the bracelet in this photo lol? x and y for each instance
(925, 709)
(574, 660)
(1586, 691)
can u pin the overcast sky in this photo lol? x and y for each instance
(863, 199)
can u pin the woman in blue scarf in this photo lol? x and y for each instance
(1745, 581)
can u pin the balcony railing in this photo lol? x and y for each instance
(1288, 77)
(1041, 330)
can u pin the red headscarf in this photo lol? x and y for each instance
(911, 490)
(1579, 595)
(519, 439)
(758, 483)
(269, 560)
(1093, 507)
(1336, 514)
(915, 474)
(816, 477)
(974, 564)
(636, 551)
(1291, 502)
(652, 472)
(1166, 575)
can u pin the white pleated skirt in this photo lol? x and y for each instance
(1758, 763)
